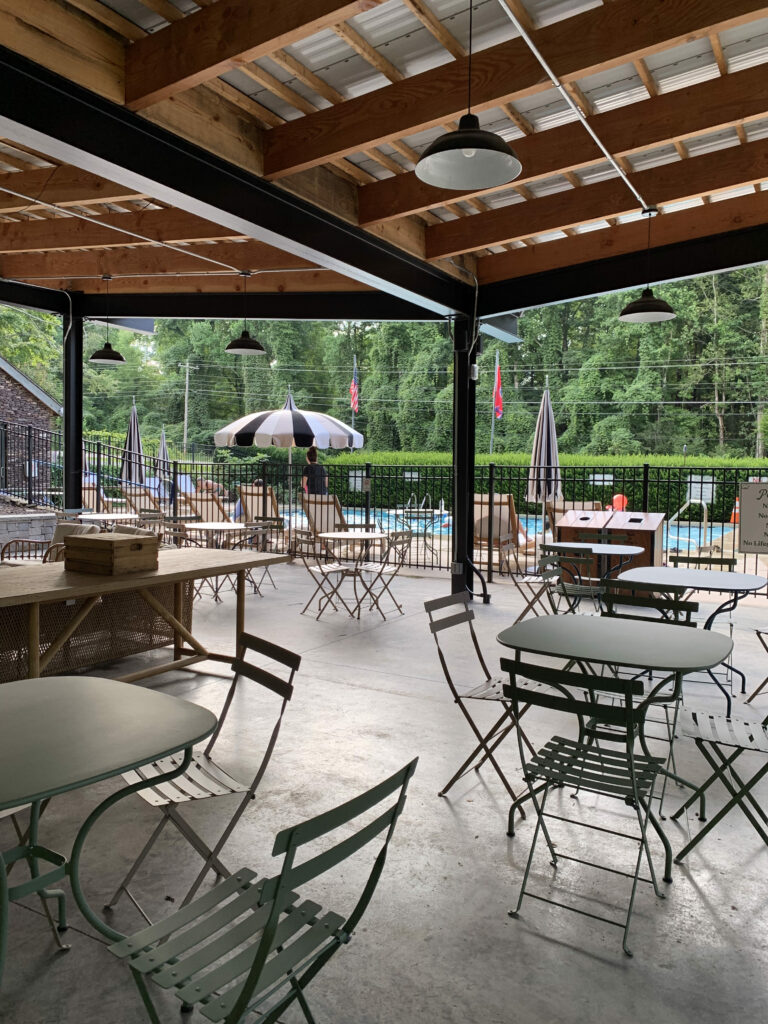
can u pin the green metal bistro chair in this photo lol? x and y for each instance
(383, 572)
(327, 572)
(568, 578)
(204, 778)
(713, 735)
(479, 687)
(609, 768)
(253, 947)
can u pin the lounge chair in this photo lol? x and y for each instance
(95, 499)
(497, 529)
(140, 499)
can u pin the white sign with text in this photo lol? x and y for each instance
(753, 517)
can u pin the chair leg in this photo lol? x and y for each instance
(754, 693)
(540, 826)
(149, 1006)
(123, 886)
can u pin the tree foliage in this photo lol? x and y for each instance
(621, 390)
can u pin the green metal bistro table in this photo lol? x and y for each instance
(603, 640)
(62, 733)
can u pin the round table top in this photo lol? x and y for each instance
(350, 535)
(215, 526)
(693, 579)
(62, 732)
(108, 517)
(612, 641)
(620, 550)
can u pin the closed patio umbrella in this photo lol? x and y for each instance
(163, 460)
(544, 484)
(132, 462)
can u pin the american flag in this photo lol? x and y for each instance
(353, 388)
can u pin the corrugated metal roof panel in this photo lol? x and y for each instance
(547, 12)
(598, 172)
(713, 142)
(756, 130)
(654, 158)
(684, 204)
(743, 190)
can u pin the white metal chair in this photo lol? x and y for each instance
(204, 778)
(381, 574)
(328, 575)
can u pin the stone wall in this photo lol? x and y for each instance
(32, 525)
(21, 408)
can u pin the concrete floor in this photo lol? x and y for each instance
(436, 944)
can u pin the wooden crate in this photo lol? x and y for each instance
(110, 554)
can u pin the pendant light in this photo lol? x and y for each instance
(647, 309)
(469, 158)
(245, 345)
(107, 356)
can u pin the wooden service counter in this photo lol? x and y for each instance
(644, 529)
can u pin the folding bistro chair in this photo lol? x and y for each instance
(761, 635)
(252, 946)
(383, 572)
(328, 575)
(458, 617)
(585, 765)
(204, 778)
(713, 734)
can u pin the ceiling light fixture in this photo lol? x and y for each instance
(470, 158)
(245, 345)
(647, 309)
(107, 356)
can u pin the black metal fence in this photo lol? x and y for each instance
(698, 505)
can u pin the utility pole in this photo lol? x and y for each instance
(186, 400)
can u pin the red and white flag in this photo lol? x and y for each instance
(353, 387)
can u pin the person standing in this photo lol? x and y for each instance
(314, 479)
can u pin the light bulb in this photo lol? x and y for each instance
(469, 153)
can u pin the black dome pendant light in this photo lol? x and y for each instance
(469, 158)
(245, 345)
(647, 309)
(107, 356)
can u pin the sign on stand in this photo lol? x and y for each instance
(700, 490)
(753, 518)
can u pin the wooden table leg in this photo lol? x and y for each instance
(178, 604)
(33, 630)
(240, 615)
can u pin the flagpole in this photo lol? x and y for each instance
(354, 377)
(493, 400)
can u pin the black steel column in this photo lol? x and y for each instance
(73, 411)
(463, 455)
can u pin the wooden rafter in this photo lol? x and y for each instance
(595, 40)
(62, 186)
(674, 182)
(301, 281)
(685, 113)
(220, 37)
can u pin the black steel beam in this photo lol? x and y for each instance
(73, 411)
(710, 255)
(463, 454)
(261, 306)
(47, 300)
(71, 124)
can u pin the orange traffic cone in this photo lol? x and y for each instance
(735, 513)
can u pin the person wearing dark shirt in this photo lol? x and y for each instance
(314, 479)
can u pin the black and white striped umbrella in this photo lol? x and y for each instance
(132, 464)
(288, 427)
(544, 482)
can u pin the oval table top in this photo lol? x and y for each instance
(605, 640)
(620, 550)
(62, 732)
(693, 579)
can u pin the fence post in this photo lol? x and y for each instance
(4, 455)
(367, 492)
(646, 483)
(29, 464)
(175, 488)
(98, 476)
(491, 503)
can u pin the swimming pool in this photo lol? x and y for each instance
(686, 536)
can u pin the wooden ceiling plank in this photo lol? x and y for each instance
(146, 259)
(72, 233)
(62, 186)
(646, 77)
(685, 113)
(278, 88)
(595, 40)
(717, 50)
(675, 182)
(221, 37)
(361, 46)
(305, 76)
(435, 27)
(517, 119)
(101, 13)
(671, 229)
(262, 114)
(302, 281)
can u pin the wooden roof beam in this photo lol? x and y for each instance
(62, 186)
(147, 259)
(671, 229)
(685, 113)
(688, 179)
(302, 281)
(221, 37)
(598, 39)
